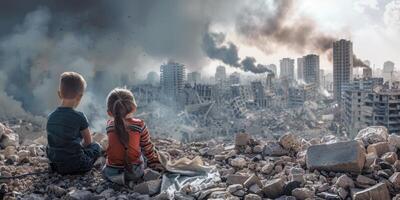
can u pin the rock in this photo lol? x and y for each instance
(107, 193)
(242, 139)
(369, 159)
(253, 179)
(150, 175)
(10, 150)
(267, 168)
(340, 157)
(252, 197)
(395, 180)
(148, 187)
(373, 134)
(329, 196)
(274, 149)
(396, 166)
(79, 195)
(394, 140)
(376, 192)
(23, 154)
(10, 139)
(220, 157)
(290, 186)
(238, 162)
(273, 188)
(303, 193)
(236, 190)
(258, 149)
(390, 157)
(363, 180)
(345, 182)
(342, 192)
(255, 189)
(236, 179)
(57, 191)
(379, 148)
(290, 142)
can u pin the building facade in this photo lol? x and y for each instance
(172, 80)
(286, 68)
(311, 69)
(342, 66)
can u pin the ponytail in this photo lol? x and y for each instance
(121, 102)
(119, 114)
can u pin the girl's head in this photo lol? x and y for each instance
(120, 103)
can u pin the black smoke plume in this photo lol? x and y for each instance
(248, 64)
(270, 26)
(359, 63)
(214, 47)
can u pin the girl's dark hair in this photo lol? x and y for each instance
(121, 102)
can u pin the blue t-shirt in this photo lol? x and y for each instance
(64, 126)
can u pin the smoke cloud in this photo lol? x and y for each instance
(358, 62)
(270, 26)
(215, 49)
(110, 44)
(249, 65)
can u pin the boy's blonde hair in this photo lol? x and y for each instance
(72, 85)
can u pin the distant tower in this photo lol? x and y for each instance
(234, 78)
(342, 66)
(311, 69)
(287, 68)
(388, 68)
(194, 78)
(300, 67)
(220, 74)
(172, 79)
(272, 67)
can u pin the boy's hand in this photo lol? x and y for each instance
(87, 138)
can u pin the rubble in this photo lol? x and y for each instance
(330, 169)
(340, 157)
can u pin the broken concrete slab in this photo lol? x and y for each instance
(273, 188)
(274, 149)
(339, 157)
(379, 148)
(376, 192)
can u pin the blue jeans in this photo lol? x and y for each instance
(82, 164)
(137, 172)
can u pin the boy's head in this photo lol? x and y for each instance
(72, 86)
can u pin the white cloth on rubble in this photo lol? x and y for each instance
(187, 177)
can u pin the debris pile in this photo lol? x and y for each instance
(250, 168)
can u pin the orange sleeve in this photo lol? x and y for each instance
(147, 146)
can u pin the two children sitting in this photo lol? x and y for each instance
(70, 148)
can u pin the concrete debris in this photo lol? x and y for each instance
(288, 167)
(339, 157)
(373, 134)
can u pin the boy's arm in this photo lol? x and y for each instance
(87, 138)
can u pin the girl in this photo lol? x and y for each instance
(128, 140)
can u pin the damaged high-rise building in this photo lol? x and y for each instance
(286, 68)
(342, 66)
(172, 80)
(311, 69)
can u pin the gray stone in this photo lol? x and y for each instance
(79, 195)
(238, 162)
(267, 168)
(303, 193)
(11, 139)
(242, 139)
(274, 149)
(340, 157)
(273, 188)
(376, 192)
(345, 182)
(252, 197)
(379, 148)
(395, 180)
(150, 175)
(236, 179)
(373, 134)
(290, 142)
(363, 180)
(394, 140)
(149, 187)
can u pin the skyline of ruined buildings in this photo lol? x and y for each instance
(344, 101)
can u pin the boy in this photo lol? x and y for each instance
(67, 128)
